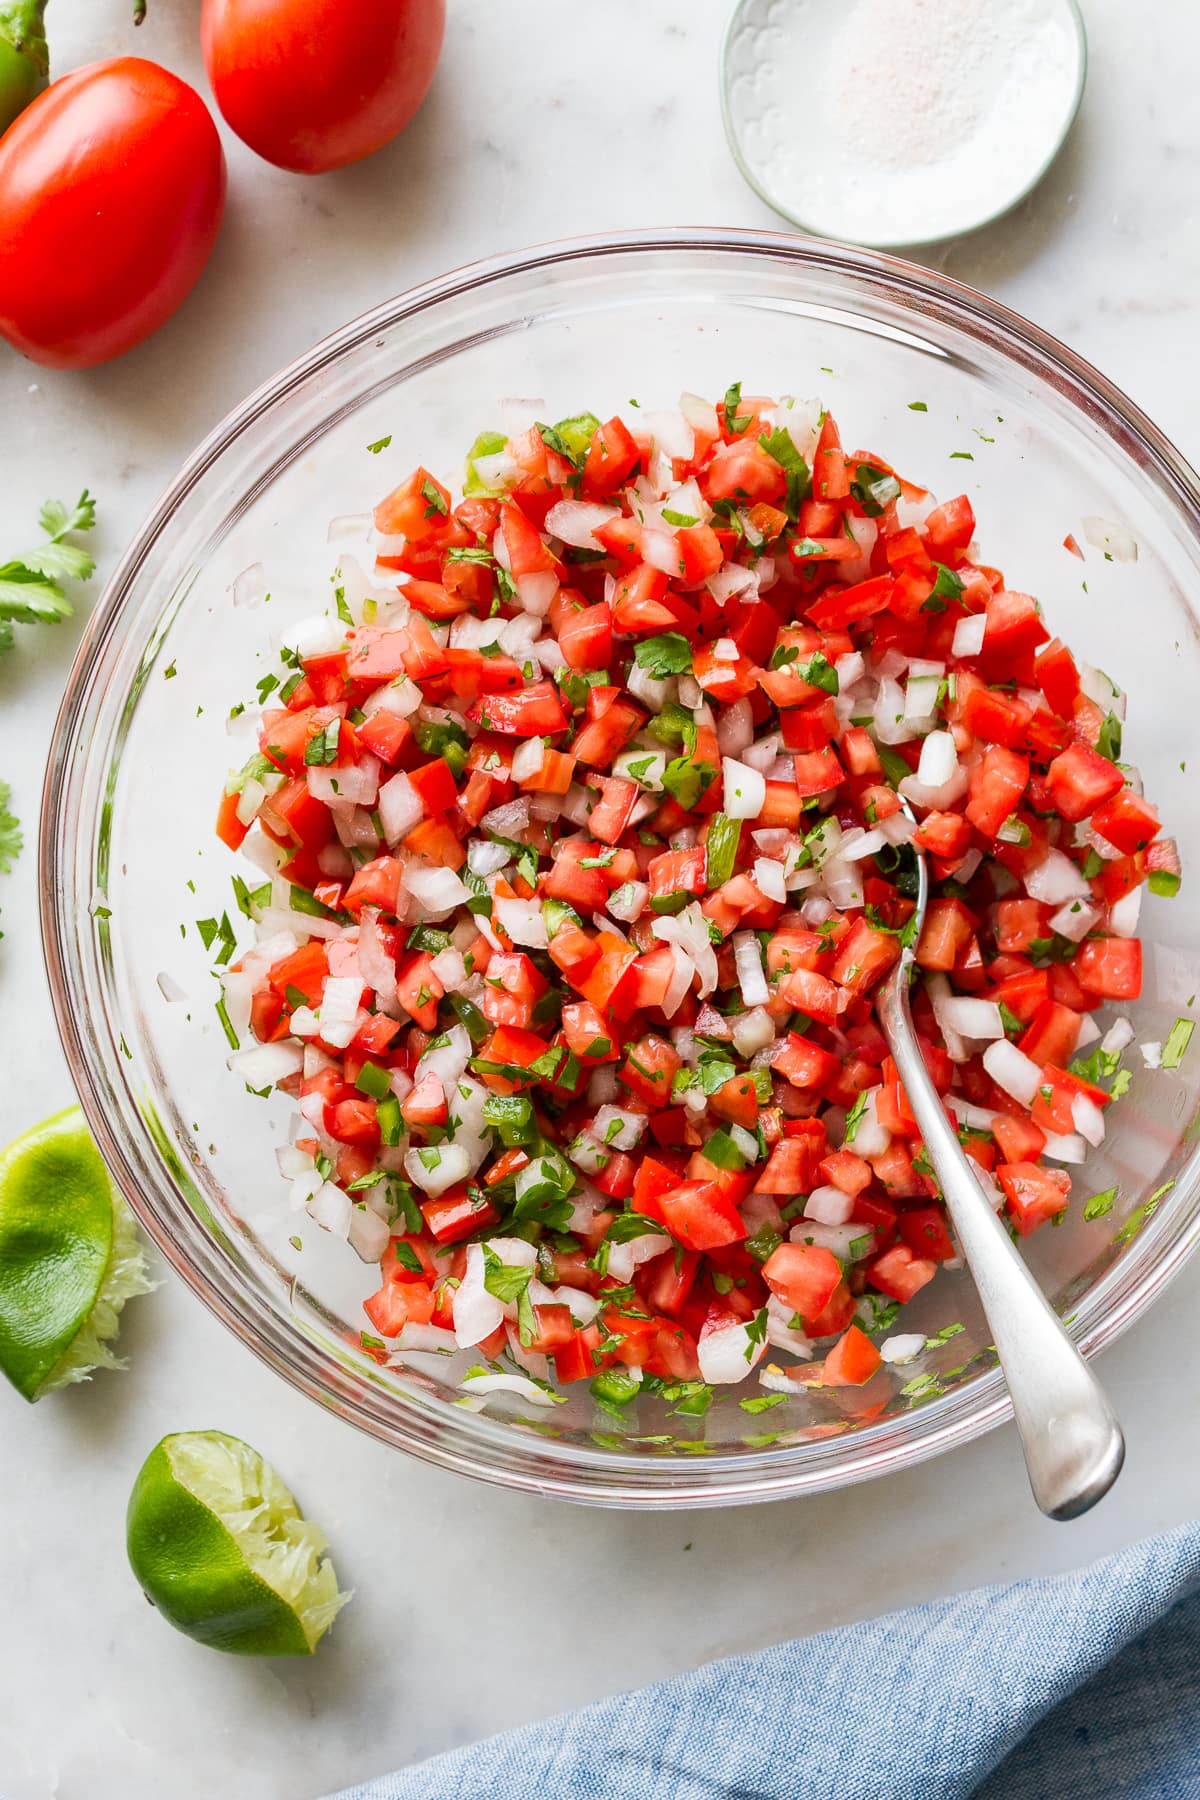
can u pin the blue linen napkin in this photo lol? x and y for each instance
(1080, 1687)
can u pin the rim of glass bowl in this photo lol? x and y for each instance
(91, 725)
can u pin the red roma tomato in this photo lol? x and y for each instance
(112, 185)
(313, 84)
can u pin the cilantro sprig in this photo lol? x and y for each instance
(31, 585)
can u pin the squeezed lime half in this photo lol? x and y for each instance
(220, 1548)
(70, 1258)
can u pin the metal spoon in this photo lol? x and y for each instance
(1069, 1433)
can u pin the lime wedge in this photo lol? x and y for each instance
(219, 1547)
(69, 1257)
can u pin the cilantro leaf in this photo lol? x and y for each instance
(729, 410)
(56, 521)
(30, 592)
(11, 840)
(1100, 1204)
(504, 1281)
(874, 489)
(686, 779)
(667, 654)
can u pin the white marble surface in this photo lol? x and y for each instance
(474, 1609)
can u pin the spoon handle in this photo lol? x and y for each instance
(1069, 1433)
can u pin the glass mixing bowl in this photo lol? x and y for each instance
(954, 389)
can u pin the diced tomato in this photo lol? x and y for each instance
(651, 1065)
(612, 457)
(804, 1064)
(898, 1273)
(1080, 780)
(923, 1229)
(1033, 1194)
(426, 1103)
(804, 1276)
(397, 1304)
(743, 471)
(1127, 821)
(1110, 967)
(536, 711)
(584, 1016)
(586, 638)
(996, 784)
(456, 1215)
(852, 1361)
(949, 527)
(417, 508)
(700, 1216)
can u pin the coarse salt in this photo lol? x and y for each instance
(901, 121)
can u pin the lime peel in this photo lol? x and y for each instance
(70, 1257)
(127, 1277)
(220, 1548)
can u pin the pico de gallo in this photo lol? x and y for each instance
(583, 852)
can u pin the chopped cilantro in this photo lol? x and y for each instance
(667, 654)
(435, 500)
(1178, 1039)
(1100, 1204)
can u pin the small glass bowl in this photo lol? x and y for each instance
(952, 388)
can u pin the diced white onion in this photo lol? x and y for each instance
(856, 845)
(829, 1205)
(346, 784)
(769, 879)
(1013, 1071)
(1115, 541)
(485, 859)
(435, 1169)
(1119, 1034)
(747, 957)
(753, 1030)
(1067, 1148)
(437, 890)
(330, 1208)
(340, 1001)
(735, 728)
(536, 591)
(321, 635)
(368, 1233)
(745, 789)
(400, 807)
(477, 1313)
(939, 759)
(979, 1019)
(1123, 916)
(1088, 1119)
(574, 522)
(522, 921)
(628, 902)
(265, 1064)
(969, 635)
(732, 579)
(617, 1128)
(527, 760)
(1055, 880)
(672, 434)
(448, 1061)
(904, 1348)
(509, 819)
(727, 1354)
